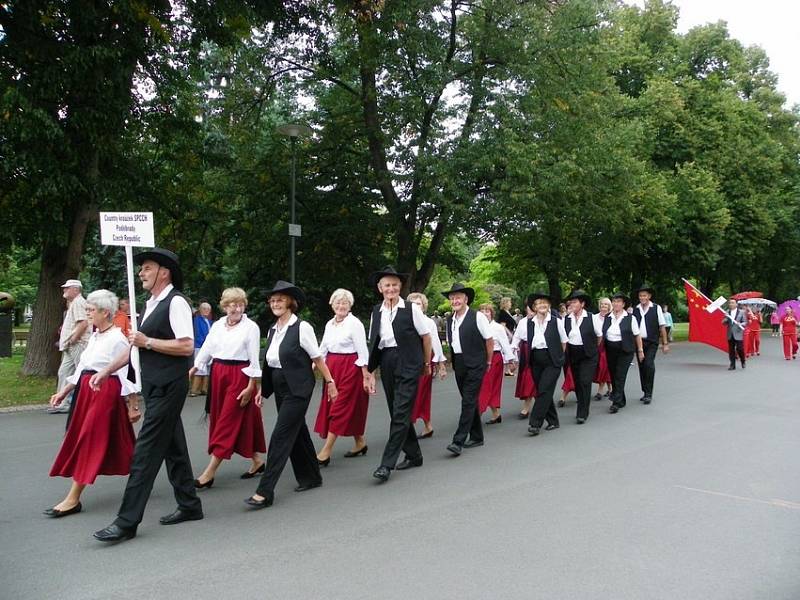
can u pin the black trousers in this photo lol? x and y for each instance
(469, 386)
(400, 386)
(290, 440)
(619, 362)
(583, 368)
(545, 374)
(735, 347)
(647, 367)
(161, 439)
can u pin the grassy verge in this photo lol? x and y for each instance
(19, 390)
(680, 332)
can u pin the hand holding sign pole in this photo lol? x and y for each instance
(129, 229)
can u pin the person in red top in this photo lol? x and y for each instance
(122, 317)
(753, 333)
(789, 334)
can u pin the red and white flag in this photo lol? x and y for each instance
(704, 326)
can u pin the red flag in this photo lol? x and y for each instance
(705, 327)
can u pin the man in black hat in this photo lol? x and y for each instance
(399, 343)
(652, 327)
(471, 348)
(166, 344)
(584, 334)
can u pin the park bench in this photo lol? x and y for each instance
(21, 338)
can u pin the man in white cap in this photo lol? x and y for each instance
(74, 336)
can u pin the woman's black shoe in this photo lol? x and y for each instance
(499, 419)
(251, 474)
(361, 452)
(57, 514)
(252, 502)
(425, 436)
(207, 484)
(324, 463)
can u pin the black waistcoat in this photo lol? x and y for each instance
(588, 336)
(158, 368)
(551, 338)
(651, 322)
(625, 329)
(473, 346)
(409, 343)
(295, 364)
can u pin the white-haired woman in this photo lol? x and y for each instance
(602, 375)
(422, 403)
(99, 438)
(344, 348)
(234, 419)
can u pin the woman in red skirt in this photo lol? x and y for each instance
(753, 333)
(234, 419)
(344, 348)
(788, 332)
(526, 388)
(492, 385)
(568, 385)
(602, 376)
(99, 438)
(422, 404)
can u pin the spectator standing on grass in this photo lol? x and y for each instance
(667, 320)
(74, 336)
(201, 323)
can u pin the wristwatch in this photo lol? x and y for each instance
(148, 344)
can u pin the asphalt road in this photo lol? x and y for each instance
(695, 496)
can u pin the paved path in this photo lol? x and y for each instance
(696, 496)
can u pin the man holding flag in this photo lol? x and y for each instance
(736, 321)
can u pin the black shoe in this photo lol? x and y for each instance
(580, 420)
(409, 463)
(382, 473)
(499, 419)
(613, 409)
(562, 403)
(57, 514)
(362, 452)
(179, 516)
(473, 443)
(454, 448)
(533, 430)
(425, 436)
(258, 504)
(200, 486)
(304, 487)
(523, 415)
(550, 427)
(643, 398)
(115, 533)
(598, 397)
(251, 474)
(647, 400)
(732, 368)
(743, 365)
(324, 463)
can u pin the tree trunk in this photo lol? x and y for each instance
(554, 289)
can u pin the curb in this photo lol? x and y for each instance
(24, 408)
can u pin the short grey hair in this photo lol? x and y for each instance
(341, 294)
(423, 299)
(104, 300)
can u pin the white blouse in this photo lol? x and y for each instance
(455, 325)
(574, 335)
(520, 333)
(539, 342)
(436, 343)
(101, 350)
(240, 342)
(614, 334)
(501, 341)
(308, 342)
(347, 337)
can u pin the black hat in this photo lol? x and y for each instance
(388, 271)
(165, 258)
(289, 289)
(623, 297)
(460, 288)
(645, 287)
(579, 295)
(532, 298)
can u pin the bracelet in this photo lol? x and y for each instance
(329, 382)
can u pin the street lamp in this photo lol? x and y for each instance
(293, 131)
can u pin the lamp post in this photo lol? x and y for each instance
(293, 131)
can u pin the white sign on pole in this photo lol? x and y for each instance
(295, 230)
(716, 304)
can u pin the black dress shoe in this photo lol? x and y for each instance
(580, 420)
(324, 463)
(115, 533)
(304, 487)
(454, 448)
(57, 514)
(362, 452)
(647, 400)
(523, 415)
(200, 486)
(408, 463)
(251, 474)
(533, 431)
(382, 473)
(613, 409)
(257, 504)
(732, 368)
(643, 398)
(550, 427)
(743, 365)
(598, 397)
(425, 436)
(499, 419)
(179, 516)
(473, 444)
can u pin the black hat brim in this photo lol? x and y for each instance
(467, 291)
(165, 259)
(532, 298)
(288, 290)
(378, 275)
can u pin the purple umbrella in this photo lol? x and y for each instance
(795, 304)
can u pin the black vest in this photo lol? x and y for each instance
(651, 322)
(473, 346)
(158, 368)
(552, 339)
(409, 343)
(625, 329)
(588, 336)
(295, 364)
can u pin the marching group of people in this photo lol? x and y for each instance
(401, 341)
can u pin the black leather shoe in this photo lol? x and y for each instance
(523, 415)
(304, 487)
(580, 420)
(251, 474)
(613, 409)
(647, 400)
(499, 419)
(362, 452)
(408, 463)
(550, 427)
(382, 473)
(643, 398)
(743, 365)
(597, 397)
(473, 444)
(533, 431)
(57, 514)
(455, 449)
(179, 516)
(115, 533)
(425, 436)
(257, 504)
(324, 463)
(732, 368)
(200, 486)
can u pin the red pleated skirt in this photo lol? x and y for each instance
(99, 438)
(526, 386)
(422, 404)
(492, 385)
(348, 414)
(602, 374)
(232, 428)
(569, 382)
